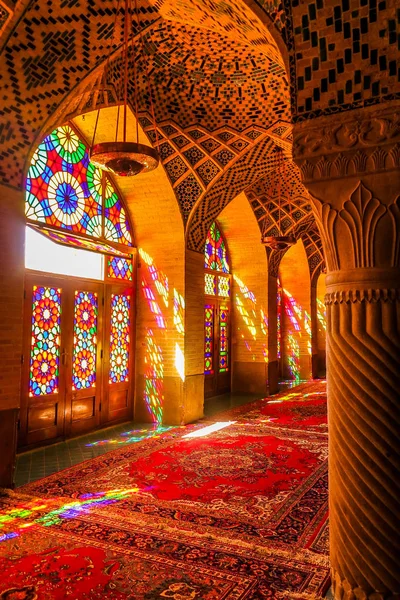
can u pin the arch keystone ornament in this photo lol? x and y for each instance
(358, 215)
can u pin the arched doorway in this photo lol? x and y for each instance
(217, 314)
(79, 296)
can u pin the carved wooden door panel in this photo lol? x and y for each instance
(118, 354)
(216, 348)
(62, 366)
(43, 375)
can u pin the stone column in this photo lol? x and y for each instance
(351, 167)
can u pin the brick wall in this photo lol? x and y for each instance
(12, 239)
(295, 278)
(249, 295)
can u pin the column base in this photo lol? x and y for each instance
(343, 590)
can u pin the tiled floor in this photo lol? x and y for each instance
(39, 463)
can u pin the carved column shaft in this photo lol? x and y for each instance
(351, 169)
(363, 349)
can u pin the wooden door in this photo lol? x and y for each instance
(43, 375)
(216, 347)
(118, 352)
(83, 361)
(62, 361)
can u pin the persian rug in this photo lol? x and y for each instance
(240, 513)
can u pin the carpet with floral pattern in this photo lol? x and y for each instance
(240, 513)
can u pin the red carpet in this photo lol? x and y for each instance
(239, 514)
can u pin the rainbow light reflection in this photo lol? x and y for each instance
(132, 436)
(153, 378)
(321, 313)
(27, 510)
(153, 305)
(160, 280)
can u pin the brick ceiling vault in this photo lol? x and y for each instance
(222, 94)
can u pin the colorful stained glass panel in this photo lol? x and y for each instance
(116, 224)
(215, 255)
(120, 338)
(223, 339)
(208, 339)
(62, 186)
(224, 287)
(210, 284)
(45, 344)
(85, 340)
(67, 239)
(119, 268)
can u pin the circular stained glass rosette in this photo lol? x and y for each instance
(66, 198)
(94, 177)
(38, 162)
(67, 144)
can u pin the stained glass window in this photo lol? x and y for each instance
(119, 268)
(58, 190)
(65, 190)
(224, 287)
(223, 338)
(115, 220)
(67, 239)
(215, 251)
(119, 338)
(45, 344)
(210, 284)
(209, 339)
(85, 340)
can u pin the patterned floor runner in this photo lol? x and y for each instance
(238, 514)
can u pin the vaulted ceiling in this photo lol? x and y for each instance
(228, 78)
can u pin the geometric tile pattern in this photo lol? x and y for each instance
(189, 169)
(193, 68)
(207, 171)
(342, 55)
(175, 168)
(279, 200)
(244, 172)
(346, 54)
(48, 53)
(193, 155)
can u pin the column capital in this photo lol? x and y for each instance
(360, 231)
(348, 144)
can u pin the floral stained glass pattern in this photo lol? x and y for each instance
(224, 287)
(65, 190)
(209, 339)
(61, 186)
(119, 338)
(115, 219)
(45, 344)
(223, 338)
(85, 340)
(215, 256)
(119, 268)
(210, 284)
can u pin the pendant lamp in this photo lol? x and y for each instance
(125, 157)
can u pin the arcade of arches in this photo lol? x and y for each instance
(182, 301)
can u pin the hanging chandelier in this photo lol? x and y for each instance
(122, 157)
(279, 241)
